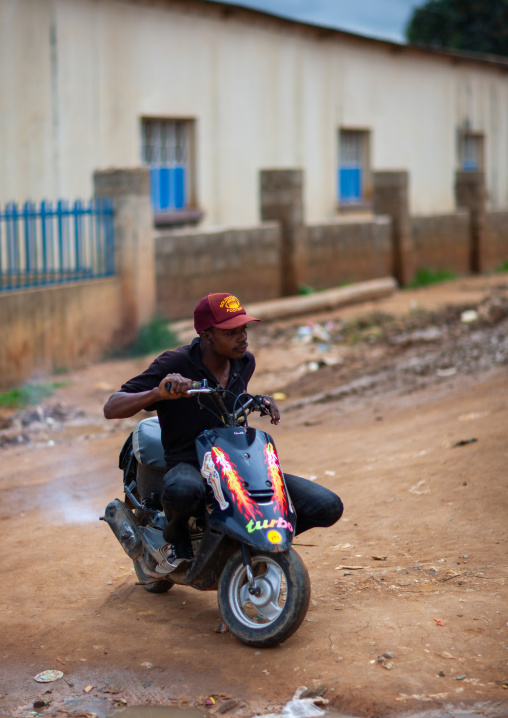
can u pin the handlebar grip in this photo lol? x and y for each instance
(262, 406)
(195, 385)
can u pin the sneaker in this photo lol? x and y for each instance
(173, 555)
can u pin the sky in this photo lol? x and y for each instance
(383, 19)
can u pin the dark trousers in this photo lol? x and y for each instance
(184, 491)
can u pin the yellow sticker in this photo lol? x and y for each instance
(274, 537)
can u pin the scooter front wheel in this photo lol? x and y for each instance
(278, 606)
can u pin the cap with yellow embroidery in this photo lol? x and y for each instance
(220, 310)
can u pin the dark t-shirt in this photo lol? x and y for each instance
(182, 420)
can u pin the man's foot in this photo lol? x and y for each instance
(174, 555)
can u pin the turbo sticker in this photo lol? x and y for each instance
(243, 501)
(231, 304)
(279, 523)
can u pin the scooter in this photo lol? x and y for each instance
(242, 539)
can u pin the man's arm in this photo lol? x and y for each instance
(123, 404)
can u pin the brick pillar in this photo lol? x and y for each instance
(282, 201)
(470, 192)
(134, 242)
(391, 198)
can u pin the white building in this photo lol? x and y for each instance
(209, 94)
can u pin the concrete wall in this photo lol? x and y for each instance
(247, 261)
(496, 239)
(134, 242)
(190, 264)
(442, 242)
(348, 251)
(69, 325)
(57, 327)
(264, 92)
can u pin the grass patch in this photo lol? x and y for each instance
(425, 276)
(29, 394)
(156, 336)
(304, 289)
(503, 267)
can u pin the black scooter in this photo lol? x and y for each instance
(241, 541)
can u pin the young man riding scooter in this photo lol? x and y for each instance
(219, 354)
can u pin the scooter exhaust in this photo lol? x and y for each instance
(120, 521)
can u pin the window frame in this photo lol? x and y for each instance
(476, 139)
(168, 149)
(358, 163)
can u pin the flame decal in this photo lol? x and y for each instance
(275, 474)
(245, 504)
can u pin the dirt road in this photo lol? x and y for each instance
(410, 429)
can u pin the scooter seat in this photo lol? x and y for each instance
(147, 444)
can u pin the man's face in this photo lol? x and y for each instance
(230, 343)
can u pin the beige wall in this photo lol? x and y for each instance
(57, 328)
(264, 93)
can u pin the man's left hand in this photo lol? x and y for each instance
(272, 408)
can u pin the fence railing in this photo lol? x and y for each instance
(54, 244)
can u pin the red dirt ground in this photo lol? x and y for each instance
(417, 566)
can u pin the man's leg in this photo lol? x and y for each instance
(183, 495)
(314, 504)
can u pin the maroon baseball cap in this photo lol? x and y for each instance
(220, 310)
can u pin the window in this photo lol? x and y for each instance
(470, 151)
(167, 148)
(354, 172)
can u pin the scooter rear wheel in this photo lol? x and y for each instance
(275, 614)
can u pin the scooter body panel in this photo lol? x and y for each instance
(252, 504)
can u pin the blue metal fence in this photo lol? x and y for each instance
(54, 244)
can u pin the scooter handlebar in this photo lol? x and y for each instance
(198, 387)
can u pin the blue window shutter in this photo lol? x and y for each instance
(166, 150)
(154, 187)
(350, 183)
(164, 188)
(179, 190)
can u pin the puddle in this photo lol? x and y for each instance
(73, 511)
(74, 506)
(101, 707)
(159, 712)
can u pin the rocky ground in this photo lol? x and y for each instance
(401, 407)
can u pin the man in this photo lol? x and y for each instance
(219, 354)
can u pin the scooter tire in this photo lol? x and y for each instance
(278, 612)
(149, 584)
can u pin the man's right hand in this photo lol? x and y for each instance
(121, 404)
(179, 387)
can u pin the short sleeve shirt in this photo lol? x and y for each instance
(182, 420)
